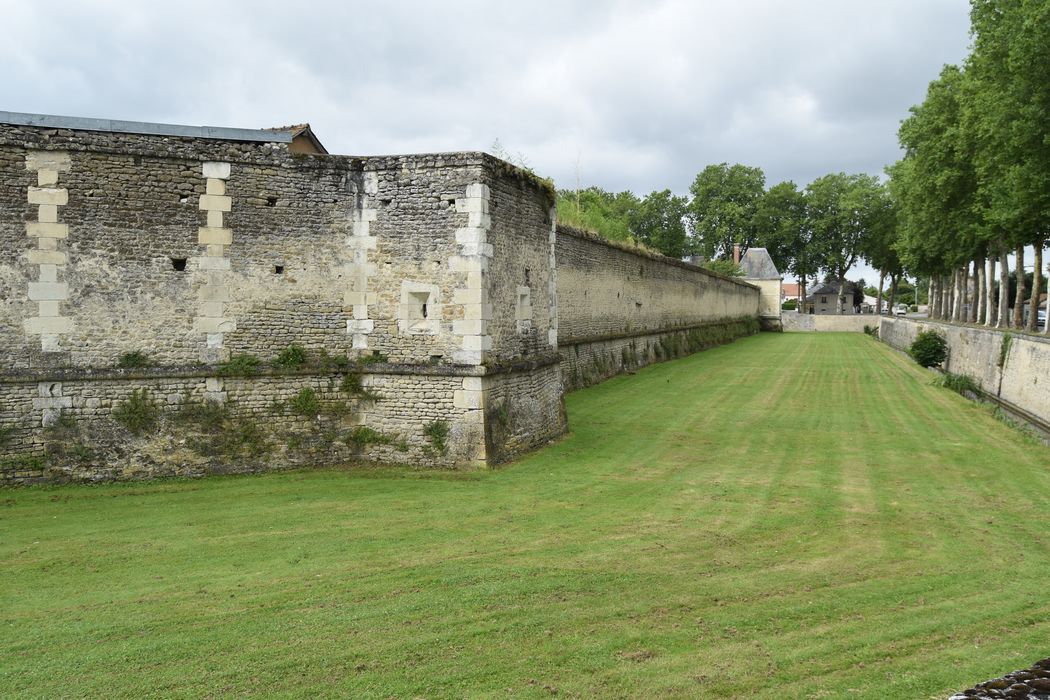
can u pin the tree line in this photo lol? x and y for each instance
(825, 227)
(974, 183)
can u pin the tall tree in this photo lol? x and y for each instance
(782, 227)
(722, 210)
(842, 209)
(659, 222)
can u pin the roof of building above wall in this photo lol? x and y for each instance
(221, 133)
(757, 265)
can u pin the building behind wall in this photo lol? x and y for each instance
(145, 266)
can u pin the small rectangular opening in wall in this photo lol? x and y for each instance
(271, 201)
(178, 264)
(278, 269)
(418, 308)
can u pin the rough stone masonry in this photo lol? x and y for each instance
(188, 300)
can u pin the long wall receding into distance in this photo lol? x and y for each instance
(1011, 367)
(621, 307)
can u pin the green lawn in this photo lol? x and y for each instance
(796, 515)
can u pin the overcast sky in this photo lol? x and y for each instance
(632, 95)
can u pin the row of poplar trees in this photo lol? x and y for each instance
(974, 184)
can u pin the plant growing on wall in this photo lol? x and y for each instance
(133, 359)
(137, 413)
(437, 431)
(243, 365)
(929, 349)
(292, 357)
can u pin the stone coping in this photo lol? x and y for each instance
(119, 126)
(1015, 332)
(1028, 684)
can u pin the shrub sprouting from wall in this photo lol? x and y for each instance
(929, 349)
(292, 357)
(137, 413)
(959, 383)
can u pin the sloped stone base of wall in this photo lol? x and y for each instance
(70, 427)
(591, 361)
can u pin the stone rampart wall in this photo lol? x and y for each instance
(621, 308)
(1013, 367)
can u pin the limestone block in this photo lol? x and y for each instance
(459, 263)
(214, 325)
(477, 342)
(215, 169)
(58, 196)
(49, 308)
(476, 280)
(38, 229)
(50, 343)
(470, 296)
(48, 214)
(47, 243)
(478, 189)
(45, 291)
(211, 293)
(214, 384)
(473, 383)
(46, 177)
(47, 160)
(214, 236)
(360, 311)
(469, 327)
(364, 215)
(482, 312)
(471, 234)
(215, 186)
(467, 357)
(468, 399)
(213, 340)
(212, 264)
(215, 219)
(213, 250)
(479, 220)
(214, 202)
(48, 325)
(362, 242)
(470, 204)
(48, 389)
(552, 337)
(371, 183)
(46, 257)
(477, 249)
(359, 298)
(360, 326)
(214, 309)
(53, 402)
(48, 273)
(359, 342)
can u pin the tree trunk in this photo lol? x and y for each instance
(1046, 326)
(802, 294)
(1003, 320)
(953, 303)
(989, 292)
(929, 298)
(842, 294)
(935, 296)
(878, 302)
(978, 302)
(971, 314)
(893, 292)
(949, 291)
(1019, 298)
(1037, 288)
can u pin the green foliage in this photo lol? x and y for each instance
(137, 413)
(305, 403)
(594, 209)
(242, 365)
(7, 432)
(782, 228)
(723, 267)
(789, 305)
(22, 462)
(292, 357)
(133, 359)
(659, 223)
(374, 358)
(929, 348)
(64, 440)
(873, 331)
(959, 383)
(362, 436)
(1004, 350)
(723, 208)
(437, 431)
(218, 433)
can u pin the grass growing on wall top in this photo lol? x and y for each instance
(793, 515)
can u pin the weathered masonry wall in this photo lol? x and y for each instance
(621, 308)
(1015, 368)
(427, 278)
(850, 323)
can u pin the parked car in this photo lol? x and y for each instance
(1040, 319)
(900, 310)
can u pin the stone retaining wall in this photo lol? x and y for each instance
(851, 323)
(1012, 367)
(621, 308)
